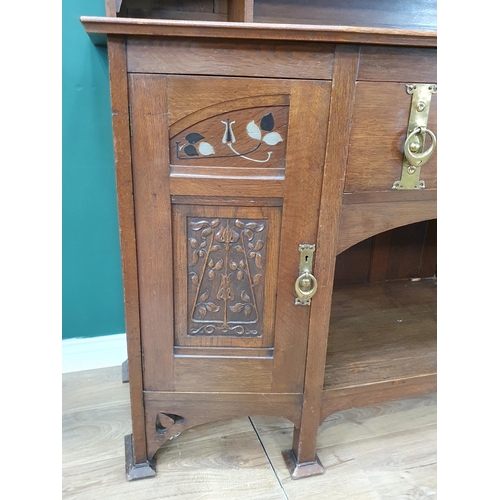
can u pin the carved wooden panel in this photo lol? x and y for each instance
(250, 141)
(226, 275)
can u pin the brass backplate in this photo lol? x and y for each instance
(305, 268)
(419, 114)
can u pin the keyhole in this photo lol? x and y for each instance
(306, 258)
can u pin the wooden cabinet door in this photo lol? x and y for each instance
(227, 180)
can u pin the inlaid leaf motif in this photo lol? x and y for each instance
(211, 307)
(193, 138)
(206, 149)
(259, 245)
(247, 310)
(195, 278)
(219, 264)
(202, 311)
(242, 264)
(211, 274)
(207, 231)
(254, 131)
(204, 296)
(215, 222)
(193, 242)
(239, 275)
(267, 122)
(215, 248)
(237, 307)
(256, 279)
(272, 138)
(191, 151)
(233, 265)
(238, 223)
(211, 263)
(245, 297)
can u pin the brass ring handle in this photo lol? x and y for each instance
(302, 281)
(418, 159)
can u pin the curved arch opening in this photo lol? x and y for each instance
(382, 340)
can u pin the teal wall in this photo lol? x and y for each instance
(92, 283)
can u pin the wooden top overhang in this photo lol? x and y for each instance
(99, 27)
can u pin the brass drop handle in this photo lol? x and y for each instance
(414, 142)
(306, 284)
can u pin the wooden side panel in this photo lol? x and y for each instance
(153, 220)
(379, 128)
(124, 184)
(398, 64)
(241, 58)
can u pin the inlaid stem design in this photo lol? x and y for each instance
(193, 145)
(226, 276)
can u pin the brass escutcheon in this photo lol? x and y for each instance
(306, 284)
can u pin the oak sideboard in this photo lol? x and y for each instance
(254, 142)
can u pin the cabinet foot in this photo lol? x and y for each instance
(136, 471)
(306, 469)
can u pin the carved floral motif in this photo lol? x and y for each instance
(226, 276)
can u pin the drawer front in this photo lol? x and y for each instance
(381, 115)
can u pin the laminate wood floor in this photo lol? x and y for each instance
(382, 452)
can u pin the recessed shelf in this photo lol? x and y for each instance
(381, 335)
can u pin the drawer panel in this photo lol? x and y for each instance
(378, 133)
(398, 64)
(313, 61)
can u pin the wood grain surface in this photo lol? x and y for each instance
(382, 343)
(258, 31)
(379, 129)
(217, 57)
(385, 451)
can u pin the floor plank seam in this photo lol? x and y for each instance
(268, 457)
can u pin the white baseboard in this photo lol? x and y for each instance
(95, 352)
